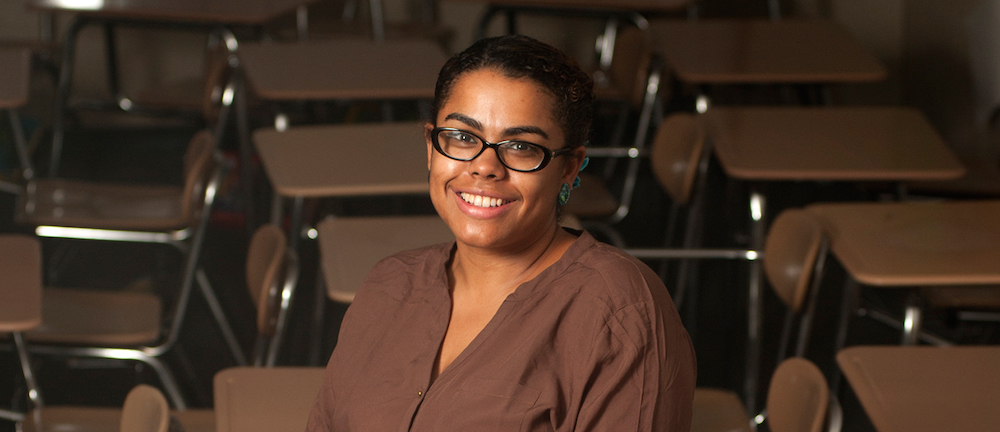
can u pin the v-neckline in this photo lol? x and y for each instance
(582, 240)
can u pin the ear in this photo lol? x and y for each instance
(428, 127)
(574, 160)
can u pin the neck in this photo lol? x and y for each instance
(490, 272)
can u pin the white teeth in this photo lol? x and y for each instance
(482, 201)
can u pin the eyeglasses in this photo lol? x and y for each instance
(521, 156)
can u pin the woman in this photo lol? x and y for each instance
(519, 325)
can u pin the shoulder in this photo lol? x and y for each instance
(606, 272)
(397, 275)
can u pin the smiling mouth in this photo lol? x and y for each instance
(482, 201)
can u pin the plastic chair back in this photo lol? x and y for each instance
(265, 260)
(789, 255)
(677, 148)
(798, 397)
(199, 164)
(630, 63)
(145, 410)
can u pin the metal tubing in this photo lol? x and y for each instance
(113, 235)
(246, 149)
(692, 220)
(848, 304)
(277, 208)
(220, 317)
(145, 355)
(806, 320)
(21, 145)
(645, 117)
(757, 217)
(62, 94)
(319, 311)
(511, 21)
(295, 228)
(912, 319)
(287, 295)
(111, 56)
(894, 323)
(34, 393)
(608, 43)
(735, 254)
(302, 22)
(378, 20)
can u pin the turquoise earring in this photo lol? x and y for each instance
(564, 194)
(576, 182)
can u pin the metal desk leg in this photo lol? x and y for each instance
(302, 22)
(246, 163)
(34, 395)
(295, 227)
(21, 145)
(378, 20)
(848, 304)
(757, 208)
(319, 313)
(912, 319)
(62, 94)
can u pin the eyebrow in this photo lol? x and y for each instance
(516, 130)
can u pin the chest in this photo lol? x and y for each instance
(507, 366)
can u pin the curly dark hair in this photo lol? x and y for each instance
(518, 56)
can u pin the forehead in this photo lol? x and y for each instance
(490, 92)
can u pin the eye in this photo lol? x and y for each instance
(518, 146)
(459, 138)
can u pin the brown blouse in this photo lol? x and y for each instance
(593, 343)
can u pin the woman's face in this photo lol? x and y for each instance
(515, 208)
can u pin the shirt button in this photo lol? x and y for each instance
(420, 394)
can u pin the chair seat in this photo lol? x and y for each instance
(97, 318)
(984, 297)
(718, 411)
(81, 204)
(592, 199)
(102, 419)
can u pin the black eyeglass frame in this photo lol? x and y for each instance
(547, 153)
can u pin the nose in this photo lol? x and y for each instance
(488, 164)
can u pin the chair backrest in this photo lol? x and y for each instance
(790, 252)
(265, 268)
(199, 165)
(677, 149)
(798, 397)
(630, 63)
(145, 410)
(350, 246)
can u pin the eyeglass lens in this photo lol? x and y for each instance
(517, 155)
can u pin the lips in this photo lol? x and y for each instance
(482, 201)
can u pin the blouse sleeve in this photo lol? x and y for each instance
(325, 401)
(640, 378)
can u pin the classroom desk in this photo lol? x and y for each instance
(342, 161)
(926, 389)
(610, 10)
(829, 144)
(251, 399)
(913, 244)
(766, 144)
(184, 13)
(15, 76)
(342, 69)
(739, 51)
(20, 301)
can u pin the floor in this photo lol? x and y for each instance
(152, 154)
